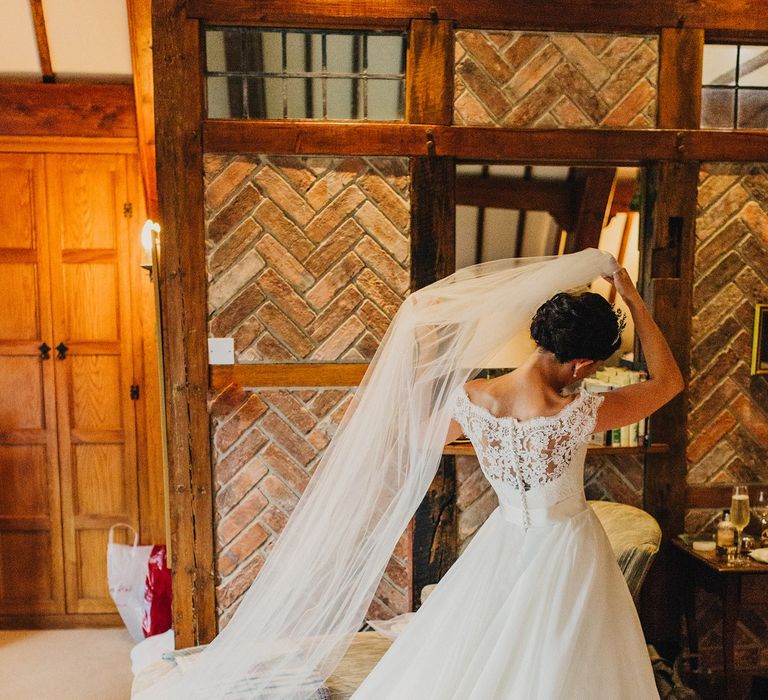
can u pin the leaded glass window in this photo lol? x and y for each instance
(734, 90)
(254, 73)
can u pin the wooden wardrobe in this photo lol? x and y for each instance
(74, 454)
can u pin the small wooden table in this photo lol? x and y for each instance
(736, 585)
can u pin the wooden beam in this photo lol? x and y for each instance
(514, 193)
(681, 58)
(305, 138)
(66, 144)
(67, 109)
(563, 15)
(41, 35)
(433, 256)
(315, 374)
(429, 99)
(716, 495)
(433, 213)
(670, 203)
(592, 191)
(429, 73)
(623, 194)
(140, 31)
(492, 144)
(667, 257)
(523, 215)
(182, 289)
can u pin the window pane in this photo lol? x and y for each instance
(343, 98)
(385, 100)
(298, 52)
(299, 96)
(342, 53)
(385, 55)
(317, 99)
(719, 65)
(223, 50)
(717, 108)
(753, 66)
(265, 98)
(753, 109)
(264, 52)
(224, 97)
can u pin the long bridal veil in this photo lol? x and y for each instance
(298, 617)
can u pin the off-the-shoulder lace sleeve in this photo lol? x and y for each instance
(461, 409)
(590, 404)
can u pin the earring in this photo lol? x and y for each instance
(574, 373)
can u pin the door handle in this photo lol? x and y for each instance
(61, 349)
(45, 351)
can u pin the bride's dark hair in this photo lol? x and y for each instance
(578, 326)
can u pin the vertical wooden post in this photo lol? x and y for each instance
(668, 249)
(429, 100)
(140, 29)
(182, 281)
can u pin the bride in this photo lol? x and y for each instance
(536, 606)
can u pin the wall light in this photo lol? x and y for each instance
(149, 233)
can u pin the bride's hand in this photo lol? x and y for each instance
(623, 283)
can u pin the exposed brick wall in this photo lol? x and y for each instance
(267, 443)
(606, 478)
(728, 418)
(554, 80)
(308, 258)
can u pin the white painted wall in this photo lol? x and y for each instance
(86, 38)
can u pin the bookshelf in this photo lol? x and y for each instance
(465, 449)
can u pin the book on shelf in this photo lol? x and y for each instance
(610, 379)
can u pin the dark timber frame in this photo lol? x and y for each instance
(671, 154)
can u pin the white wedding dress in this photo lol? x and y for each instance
(536, 608)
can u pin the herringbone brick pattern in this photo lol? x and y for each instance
(267, 443)
(308, 258)
(607, 478)
(728, 411)
(728, 420)
(555, 80)
(616, 478)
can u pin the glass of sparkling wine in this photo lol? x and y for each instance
(739, 513)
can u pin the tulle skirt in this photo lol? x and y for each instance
(537, 614)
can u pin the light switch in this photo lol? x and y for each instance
(221, 351)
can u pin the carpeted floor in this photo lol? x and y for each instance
(78, 664)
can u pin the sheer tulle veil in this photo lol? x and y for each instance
(298, 617)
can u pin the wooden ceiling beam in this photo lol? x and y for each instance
(140, 31)
(623, 194)
(592, 190)
(41, 34)
(512, 193)
(567, 146)
(554, 15)
(67, 109)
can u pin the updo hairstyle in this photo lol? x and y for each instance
(578, 326)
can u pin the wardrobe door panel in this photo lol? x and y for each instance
(91, 300)
(31, 560)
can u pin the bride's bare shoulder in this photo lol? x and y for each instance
(487, 393)
(476, 388)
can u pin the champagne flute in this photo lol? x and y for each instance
(739, 514)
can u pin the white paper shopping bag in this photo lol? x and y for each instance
(126, 576)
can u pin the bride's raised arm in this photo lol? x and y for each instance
(633, 403)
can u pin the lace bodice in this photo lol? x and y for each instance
(531, 463)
